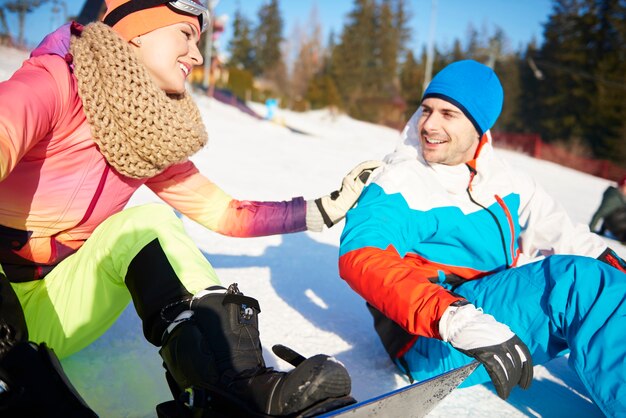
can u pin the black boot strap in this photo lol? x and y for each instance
(241, 300)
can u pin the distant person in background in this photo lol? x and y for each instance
(271, 105)
(462, 257)
(93, 114)
(612, 212)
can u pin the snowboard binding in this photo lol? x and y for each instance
(214, 365)
(216, 403)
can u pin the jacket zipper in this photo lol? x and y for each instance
(502, 238)
(96, 196)
(509, 218)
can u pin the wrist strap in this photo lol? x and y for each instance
(325, 217)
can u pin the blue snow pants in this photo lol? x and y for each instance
(557, 305)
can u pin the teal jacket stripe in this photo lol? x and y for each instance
(443, 235)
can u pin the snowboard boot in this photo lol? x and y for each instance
(213, 351)
(33, 384)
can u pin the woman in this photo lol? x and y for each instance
(95, 113)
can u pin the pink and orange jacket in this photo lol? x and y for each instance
(56, 187)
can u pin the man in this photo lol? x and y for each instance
(436, 246)
(612, 211)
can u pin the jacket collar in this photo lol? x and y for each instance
(58, 42)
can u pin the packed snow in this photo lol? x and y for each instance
(304, 303)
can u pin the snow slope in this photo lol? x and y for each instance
(304, 303)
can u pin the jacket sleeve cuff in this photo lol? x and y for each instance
(314, 220)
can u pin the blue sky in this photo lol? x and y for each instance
(521, 20)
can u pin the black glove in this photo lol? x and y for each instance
(476, 334)
(508, 364)
(609, 257)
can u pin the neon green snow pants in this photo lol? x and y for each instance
(85, 293)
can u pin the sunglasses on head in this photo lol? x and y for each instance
(197, 8)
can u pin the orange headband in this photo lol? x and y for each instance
(147, 20)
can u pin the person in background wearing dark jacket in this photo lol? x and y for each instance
(612, 212)
(461, 257)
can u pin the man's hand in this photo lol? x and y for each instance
(492, 343)
(333, 207)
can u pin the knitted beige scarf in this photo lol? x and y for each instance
(139, 128)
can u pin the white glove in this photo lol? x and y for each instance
(332, 208)
(492, 343)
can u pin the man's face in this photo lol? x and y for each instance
(447, 135)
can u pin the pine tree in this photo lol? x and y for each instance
(240, 82)
(327, 66)
(583, 61)
(322, 92)
(508, 70)
(411, 79)
(402, 15)
(473, 49)
(606, 129)
(563, 60)
(387, 52)
(457, 51)
(310, 57)
(531, 81)
(268, 40)
(365, 63)
(240, 46)
(353, 58)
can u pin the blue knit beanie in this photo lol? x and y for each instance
(472, 87)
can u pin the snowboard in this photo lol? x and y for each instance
(414, 401)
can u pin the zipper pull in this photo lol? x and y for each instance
(473, 172)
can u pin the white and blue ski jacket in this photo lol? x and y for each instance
(418, 225)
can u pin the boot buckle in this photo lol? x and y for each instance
(195, 398)
(188, 398)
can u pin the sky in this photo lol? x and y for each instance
(521, 20)
(304, 303)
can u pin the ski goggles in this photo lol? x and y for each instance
(197, 8)
(194, 7)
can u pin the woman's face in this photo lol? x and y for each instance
(169, 53)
